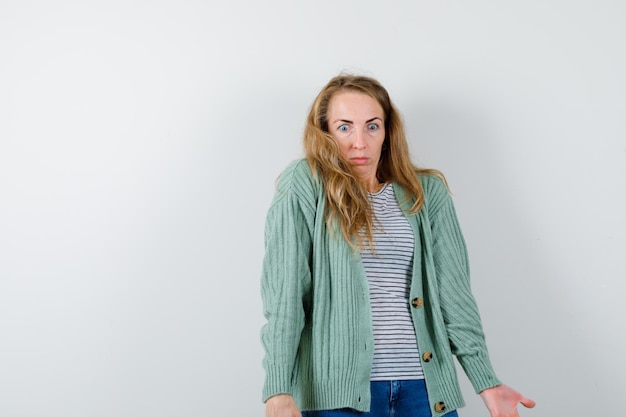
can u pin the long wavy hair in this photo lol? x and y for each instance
(347, 199)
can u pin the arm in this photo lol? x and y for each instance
(282, 289)
(284, 282)
(458, 307)
(460, 311)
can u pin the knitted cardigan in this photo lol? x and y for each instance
(318, 337)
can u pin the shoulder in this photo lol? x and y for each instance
(297, 183)
(432, 184)
(295, 172)
(435, 190)
(296, 177)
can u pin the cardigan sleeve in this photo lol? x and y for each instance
(457, 303)
(286, 276)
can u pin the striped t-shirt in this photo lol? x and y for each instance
(388, 268)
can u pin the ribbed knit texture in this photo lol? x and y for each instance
(318, 338)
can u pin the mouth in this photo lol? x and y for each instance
(359, 160)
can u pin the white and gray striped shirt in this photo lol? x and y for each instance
(389, 268)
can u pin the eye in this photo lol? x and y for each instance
(372, 127)
(343, 128)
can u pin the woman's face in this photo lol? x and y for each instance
(356, 122)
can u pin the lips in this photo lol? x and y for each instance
(359, 160)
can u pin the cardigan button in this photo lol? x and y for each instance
(417, 302)
(440, 407)
(427, 356)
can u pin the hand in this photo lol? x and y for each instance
(502, 400)
(281, 405)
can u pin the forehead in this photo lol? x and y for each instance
(354, 104)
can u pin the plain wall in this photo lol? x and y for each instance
(140, 142)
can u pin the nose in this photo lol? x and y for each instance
(358, 139)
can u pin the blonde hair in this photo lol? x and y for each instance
(347, 199)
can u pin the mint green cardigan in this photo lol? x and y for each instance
(318, 337)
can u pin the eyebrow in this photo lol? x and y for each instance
(350, 121)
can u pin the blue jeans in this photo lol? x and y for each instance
(390, 399)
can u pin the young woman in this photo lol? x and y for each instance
(365, 280)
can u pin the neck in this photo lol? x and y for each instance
(375, 186)
(371, 183)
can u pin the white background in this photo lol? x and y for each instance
(140, 141)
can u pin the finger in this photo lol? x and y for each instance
(527, 402)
